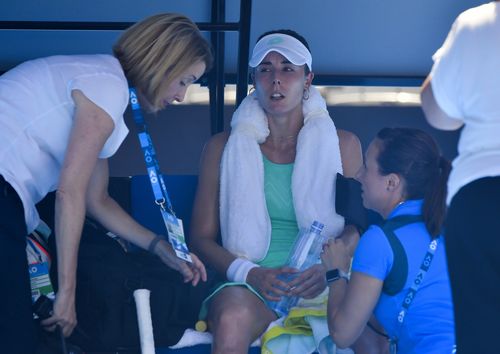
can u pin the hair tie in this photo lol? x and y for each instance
(154, 242)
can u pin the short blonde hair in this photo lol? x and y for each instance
(158, 49)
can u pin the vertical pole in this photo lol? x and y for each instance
(243, 50)
(216, 84)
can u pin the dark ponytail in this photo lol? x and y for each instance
(434, 208)
(414, 155)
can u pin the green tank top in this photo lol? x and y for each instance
(279, 201)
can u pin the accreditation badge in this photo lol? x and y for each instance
(40, 281)
(176, 237)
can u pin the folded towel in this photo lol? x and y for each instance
(245, 224)
(303, 331)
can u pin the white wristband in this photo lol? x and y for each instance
(238, 270)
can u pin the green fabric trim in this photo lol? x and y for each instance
(204, 306)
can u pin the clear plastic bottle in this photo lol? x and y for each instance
(303, 255)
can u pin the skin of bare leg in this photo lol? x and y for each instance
(236, 318)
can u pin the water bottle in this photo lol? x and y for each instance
(303, 255)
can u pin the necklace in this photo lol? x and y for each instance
(287, 137)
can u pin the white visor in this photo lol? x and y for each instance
(288, 46)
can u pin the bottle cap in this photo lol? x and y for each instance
(317, 226)
(201, 326)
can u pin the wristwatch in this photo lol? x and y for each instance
(336, 274)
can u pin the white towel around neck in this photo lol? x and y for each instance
(244, 219)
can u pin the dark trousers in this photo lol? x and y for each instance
(17, 328)
(472, 236)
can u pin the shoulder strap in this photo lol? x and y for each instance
(398, 275)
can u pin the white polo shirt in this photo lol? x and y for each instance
(36, 118)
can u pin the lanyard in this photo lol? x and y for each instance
(155, 177)
(410, 295)
(34, 247)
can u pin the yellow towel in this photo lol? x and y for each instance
(304, 330)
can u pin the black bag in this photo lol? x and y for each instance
(107, 276)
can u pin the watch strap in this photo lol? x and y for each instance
(336, 274)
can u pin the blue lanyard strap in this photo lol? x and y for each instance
(155, 177)
(410, 295)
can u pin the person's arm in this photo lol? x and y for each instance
(205, 227)
(350, 153)
(91, 128)
(205, 217)
(433, 113)
(111, 215)
(350, 305)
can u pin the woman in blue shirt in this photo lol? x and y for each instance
(404, 180)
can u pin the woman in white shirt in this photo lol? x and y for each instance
(462, 91)
(61, 117)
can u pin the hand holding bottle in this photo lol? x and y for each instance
(303, 257)
(309, 283)
(271, 283)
